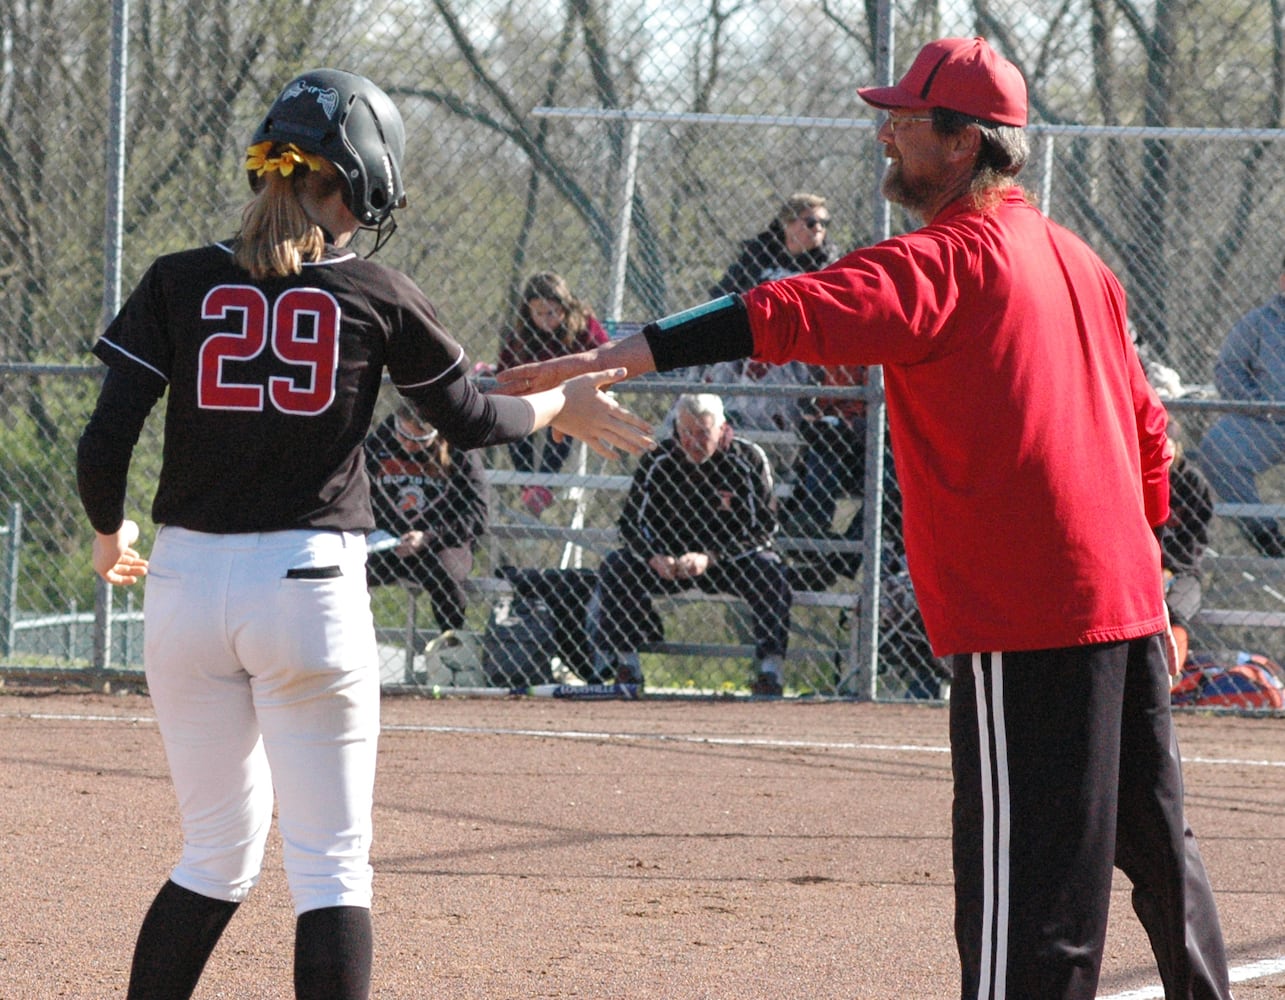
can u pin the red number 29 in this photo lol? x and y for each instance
(302, 326)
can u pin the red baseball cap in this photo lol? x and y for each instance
(960, 74)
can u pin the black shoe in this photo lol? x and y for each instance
(767, 685)
(1268, 540)
(629, 671)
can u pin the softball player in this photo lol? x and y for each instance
(260, 648)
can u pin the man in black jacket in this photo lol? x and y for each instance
(700, 513)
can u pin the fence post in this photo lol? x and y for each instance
(885, 35)
(102, 639)
(127, 631)
(72, 633)
(113, 244)
(9, 580)
(864, 668)
(624, 223)
(1046, 176)
(113, 237)
(865, 671)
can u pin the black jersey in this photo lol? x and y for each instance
(272, 383)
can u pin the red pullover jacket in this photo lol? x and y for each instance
(1030, 449)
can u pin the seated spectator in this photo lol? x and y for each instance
(432, 497)
(760, 413)
(833, 460)
(700, 514)
(831, 465)
(550, 323)
(1240, 446)
(1183, 540)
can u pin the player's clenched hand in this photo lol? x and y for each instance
(115, 558)
(665, 567)
(691, 565)
(598, 420)
(541, 375)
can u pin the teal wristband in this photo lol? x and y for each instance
(710, 332)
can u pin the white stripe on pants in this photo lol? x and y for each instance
(995, 835)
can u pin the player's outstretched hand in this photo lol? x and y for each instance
(541, 375)
(115, 558)
(598, 420)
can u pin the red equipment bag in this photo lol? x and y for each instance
(1237, 679)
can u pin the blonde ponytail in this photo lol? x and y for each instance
(276, 236)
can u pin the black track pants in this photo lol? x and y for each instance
(1065, 764)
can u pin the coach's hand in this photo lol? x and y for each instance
(632, 356)
(115, 558)
(537, 376)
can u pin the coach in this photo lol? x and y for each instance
(1033, 464)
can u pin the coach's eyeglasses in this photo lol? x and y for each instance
(895, 122)
(815, 221)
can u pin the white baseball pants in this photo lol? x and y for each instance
(260, 658)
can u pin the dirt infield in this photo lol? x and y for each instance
(533, 848)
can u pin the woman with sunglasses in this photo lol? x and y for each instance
(795, 242)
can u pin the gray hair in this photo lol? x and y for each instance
(701, 404)
(1004, 148)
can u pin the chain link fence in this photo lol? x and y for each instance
(635, 151)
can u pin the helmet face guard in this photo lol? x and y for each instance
(353, 124)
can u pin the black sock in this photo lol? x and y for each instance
(179, 932)
(332, 954)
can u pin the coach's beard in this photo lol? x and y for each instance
(914, 196)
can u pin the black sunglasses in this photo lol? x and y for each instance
(812, 222)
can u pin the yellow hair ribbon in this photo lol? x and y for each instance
(258, 160)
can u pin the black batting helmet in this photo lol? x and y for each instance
(353, 124)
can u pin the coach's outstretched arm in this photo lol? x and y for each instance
(713, 331)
